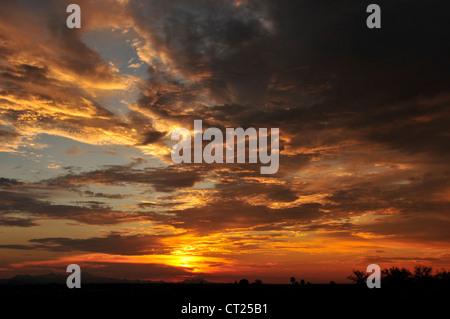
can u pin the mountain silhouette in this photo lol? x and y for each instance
(195, 281)
(60, 278)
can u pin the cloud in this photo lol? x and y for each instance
(102, 195)
(17, 222)
(417, 228)
(9, 140)
(13, 202)
(228, 215)
(163, 179)
(9, 182)
(111, 244)
(51, 80)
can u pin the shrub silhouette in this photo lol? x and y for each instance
(395, 275)
(401, 276)
(442, 276)
(358, 277)
(423, 274)
(243, 282)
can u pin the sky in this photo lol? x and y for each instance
(86, 115)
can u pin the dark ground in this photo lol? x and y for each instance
(166, 300)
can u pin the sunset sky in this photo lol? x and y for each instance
(86, 115)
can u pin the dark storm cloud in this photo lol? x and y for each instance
(12, 202)
(7, 134)
(312, 68)
(111, 244)
(9, 182)
(400, 259)
(225, 215)
(210, 44)
(17, 222)
(102, 195)
(152, 137)
(164, 179)
(414, 195)
(416, 210)
(8, 138)
(416, 227)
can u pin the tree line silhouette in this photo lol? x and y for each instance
(391, 276)
(398, 276)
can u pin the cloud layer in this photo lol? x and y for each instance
(363, 117)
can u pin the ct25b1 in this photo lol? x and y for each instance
(245, 308)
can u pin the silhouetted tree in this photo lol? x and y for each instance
(292, 280)
(395, 275)
(442, 276)
(302, 282)
(243, 282)
(423, 274)
(358, 277)
(402, 276)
